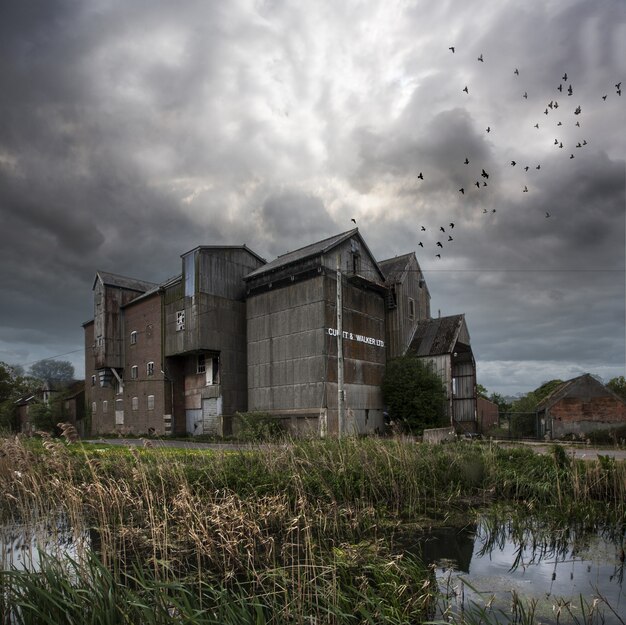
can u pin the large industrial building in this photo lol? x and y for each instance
(234, 333)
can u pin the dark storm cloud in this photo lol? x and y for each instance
(132, 132)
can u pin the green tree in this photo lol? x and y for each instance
(51, 371)
(503, 405)
(528, 403)
(414, 394)
(618, 386)
(13, 385)
(481, 391)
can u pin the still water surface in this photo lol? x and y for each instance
(485, 563)
(490, 562)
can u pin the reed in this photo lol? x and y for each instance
(302, 530)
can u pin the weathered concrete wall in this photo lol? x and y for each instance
(292, 353)
(286, 349)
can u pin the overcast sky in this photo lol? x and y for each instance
(131, 132)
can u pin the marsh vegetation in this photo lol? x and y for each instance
(301, 532)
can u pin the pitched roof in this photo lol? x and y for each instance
(308, 251)
(436, 336)
(123, 282)
(243, 247)
(394, 268)
(563, 389)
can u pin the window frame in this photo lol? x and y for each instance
(134, 372)
(150, 368)
(133, 337)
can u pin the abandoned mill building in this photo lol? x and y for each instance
(234, 333)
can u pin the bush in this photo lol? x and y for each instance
(258, 427)
(414, 394)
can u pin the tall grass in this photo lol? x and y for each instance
(297, 532)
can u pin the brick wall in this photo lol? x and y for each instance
(145, 414)
(601, 409)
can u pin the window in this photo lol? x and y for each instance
(189, 271)
(150, 402)
(411, 308)
(212, 371)
(201, 366)
(150, 368)
(134, 403)
(133, 337)
(93, 380)
(100, 340)
(134, 372)
(180, 320)
(93, 407)
(105, 406)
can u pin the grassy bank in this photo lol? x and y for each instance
(301, 532)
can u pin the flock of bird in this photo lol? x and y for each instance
(480, 181)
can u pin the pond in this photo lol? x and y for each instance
(497, 567)
(491, 565)
(23, 546)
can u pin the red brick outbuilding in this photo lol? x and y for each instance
(579, 406)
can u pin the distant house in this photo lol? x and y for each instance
(444, 344)
(487, 414)
(579, 406)
(71, 410)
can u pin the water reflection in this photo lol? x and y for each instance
(23, 546)
(497, 559)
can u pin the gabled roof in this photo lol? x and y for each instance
(395, 268)
(434, 337)
(123, 282)
(310, 251)
(564, 389)
(216, 248)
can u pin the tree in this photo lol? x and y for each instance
(13, 385)
(528, 402)
(481, 391)
(51, 371)
(618, 386)
(414, 394)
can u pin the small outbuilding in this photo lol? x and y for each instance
(443, 344)
(579, 406)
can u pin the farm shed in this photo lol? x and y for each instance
(579, 406)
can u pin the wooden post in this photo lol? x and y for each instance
(340, 392)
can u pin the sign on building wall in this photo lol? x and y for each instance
(359, 338)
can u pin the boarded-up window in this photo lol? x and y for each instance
(150, 402)
(180, 320)
(134, 403)
(105, 406)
